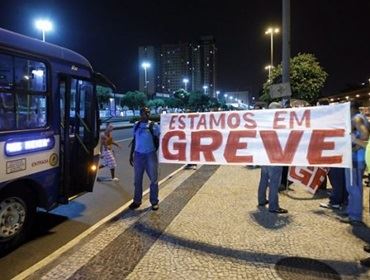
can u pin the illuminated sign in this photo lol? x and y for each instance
(22, 146)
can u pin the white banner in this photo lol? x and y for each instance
(310, 177)
(308, 136)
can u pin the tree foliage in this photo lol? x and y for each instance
(198, 101)
(134, 99)
(156, 103)
(307, 78)
(103, 94)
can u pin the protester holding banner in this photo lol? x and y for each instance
(271, 178)
(360, 135)
(143, 157)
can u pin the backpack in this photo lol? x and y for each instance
(154, 137)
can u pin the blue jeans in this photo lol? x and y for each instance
(270, 177)
(337, 180)
(146, 162)
(355, 191)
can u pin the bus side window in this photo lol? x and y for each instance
(7, 117)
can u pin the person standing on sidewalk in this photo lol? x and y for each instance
(271, 178)
(107, 153)
(339, 195)
(354, 185)
(143, 157)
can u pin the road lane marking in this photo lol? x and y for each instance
(122, 140)
(53, 256)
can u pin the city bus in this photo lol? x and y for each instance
(49, 130)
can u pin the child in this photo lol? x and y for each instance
(107, 153)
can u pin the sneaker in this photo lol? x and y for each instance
(330, 206)
(115, 179)
(134, 205)
(279, 211)
(155, 207)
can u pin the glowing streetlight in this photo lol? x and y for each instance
(185, 81)
(44, 26)
(145, 65)
(269, 67)
(205, 89)
(217, 93)
(271, 31)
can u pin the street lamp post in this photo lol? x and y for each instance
(271, 31)
(145, 65)
(44, 26)
(205, 89)
(185, 81)
(269, 68)
(217, 94)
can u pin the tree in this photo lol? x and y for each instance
(103, 93)
(133, 100)
(198, 101)
(213, 103)
(156, 103)
(183, 98)
(307, 78)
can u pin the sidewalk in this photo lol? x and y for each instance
(208, 227)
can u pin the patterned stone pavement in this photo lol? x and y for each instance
(208, 227)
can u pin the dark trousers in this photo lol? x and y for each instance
(337, 179)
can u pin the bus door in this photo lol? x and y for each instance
(78, 135)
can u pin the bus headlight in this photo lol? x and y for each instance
(93, 167)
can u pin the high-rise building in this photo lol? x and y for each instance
(171, 64)
(148, 67)
(174, 67)
(208, 63)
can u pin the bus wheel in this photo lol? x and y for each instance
(17, 210)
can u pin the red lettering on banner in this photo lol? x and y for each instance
(230, 120)
(318, 179)
(233, 145)
(311, 177)
(302, 176)
(273, 148)
(173, 121)
(277, 119)
(192, 117)
(318, 145)
(218, 123)
(202, 122)
(182, 122)
(180, 147)
(249, 122)
(207, 150)
(306, 116)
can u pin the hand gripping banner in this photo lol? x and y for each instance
(307, 136)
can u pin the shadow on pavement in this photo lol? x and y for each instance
(269, 220)
(320, 194)
(362, 232)
(248, 256)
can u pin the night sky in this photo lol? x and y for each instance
(108, 34)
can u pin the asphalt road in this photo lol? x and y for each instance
(54, 229)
